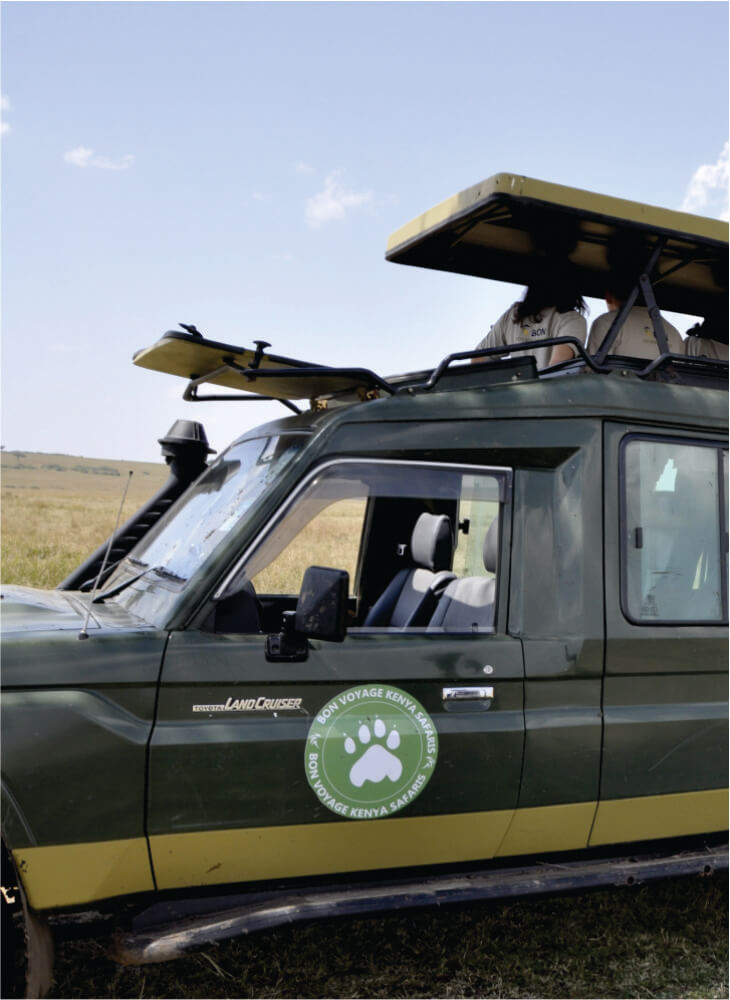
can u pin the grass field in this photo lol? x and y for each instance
(57, 509)
(665, 939)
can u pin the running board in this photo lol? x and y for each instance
(175, 939)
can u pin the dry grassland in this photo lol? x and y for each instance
(333, 536)
(57, 509)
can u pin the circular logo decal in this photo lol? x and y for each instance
(370, 752)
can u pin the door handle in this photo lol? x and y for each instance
(467, 694)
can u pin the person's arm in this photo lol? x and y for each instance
(493, 339)
(571, 324)
(485, 342)
(561, 352)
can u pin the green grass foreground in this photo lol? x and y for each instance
(664, 939)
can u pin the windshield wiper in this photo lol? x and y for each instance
(168, 574)
(160, 570)
(100, 598)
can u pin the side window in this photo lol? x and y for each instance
(674, 531)
(333, 534)
(475, 518)
(403, 532)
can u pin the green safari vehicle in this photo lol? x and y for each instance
(404, 645)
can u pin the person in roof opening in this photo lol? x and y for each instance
(696, 346)
(626, 259)
(550, 307)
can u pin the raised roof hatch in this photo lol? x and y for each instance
(261, 375)
(484, 231)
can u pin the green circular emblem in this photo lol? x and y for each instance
(370, 752)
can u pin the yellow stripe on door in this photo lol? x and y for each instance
(74, 874)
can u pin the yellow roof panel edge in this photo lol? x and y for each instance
(577, 199)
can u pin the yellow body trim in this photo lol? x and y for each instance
(72, 874)
(548, 828)
(660, 816)
(67, 874)
(316, 849)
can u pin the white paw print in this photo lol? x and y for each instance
(376, 762)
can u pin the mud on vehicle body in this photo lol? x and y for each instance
(403, 646)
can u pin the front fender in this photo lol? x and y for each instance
(16, 830)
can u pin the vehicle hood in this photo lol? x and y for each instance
(25, 609)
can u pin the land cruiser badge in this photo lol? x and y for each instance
(370, 752)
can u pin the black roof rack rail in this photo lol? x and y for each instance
(673, 365)
(490, 352)
(362, 375)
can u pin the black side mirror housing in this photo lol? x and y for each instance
(322, 605)
(321, 614)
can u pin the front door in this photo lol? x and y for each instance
(400, 746)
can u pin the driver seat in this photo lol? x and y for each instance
(410, 598)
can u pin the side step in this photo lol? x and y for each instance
(173, 939)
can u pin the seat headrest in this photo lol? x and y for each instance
(432, 542)
(491, 547)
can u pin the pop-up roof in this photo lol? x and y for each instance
(485, 231)
(496, 229)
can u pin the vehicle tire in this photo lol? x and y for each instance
(27, 943)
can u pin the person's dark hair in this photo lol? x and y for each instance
(550, 285)
(627, 255)
(714, 326)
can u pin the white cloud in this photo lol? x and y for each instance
(83, 156)
(707, 193)
(80, 156)
(304, 168)
(334, 201)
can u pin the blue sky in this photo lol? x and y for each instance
(240, 166)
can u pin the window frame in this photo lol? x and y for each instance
(720, 448)
(504, 475)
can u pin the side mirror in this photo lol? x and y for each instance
(321, 614)
(322, 605)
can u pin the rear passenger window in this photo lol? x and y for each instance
(674, 531)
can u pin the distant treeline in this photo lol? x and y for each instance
(92, 470)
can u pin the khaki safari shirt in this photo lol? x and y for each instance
(697, 347)
(552, 324)
(636, 339)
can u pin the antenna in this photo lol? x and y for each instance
(83, 634)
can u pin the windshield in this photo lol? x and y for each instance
(179, 544)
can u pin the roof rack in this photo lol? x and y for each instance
(668, 367)
(254, 375)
